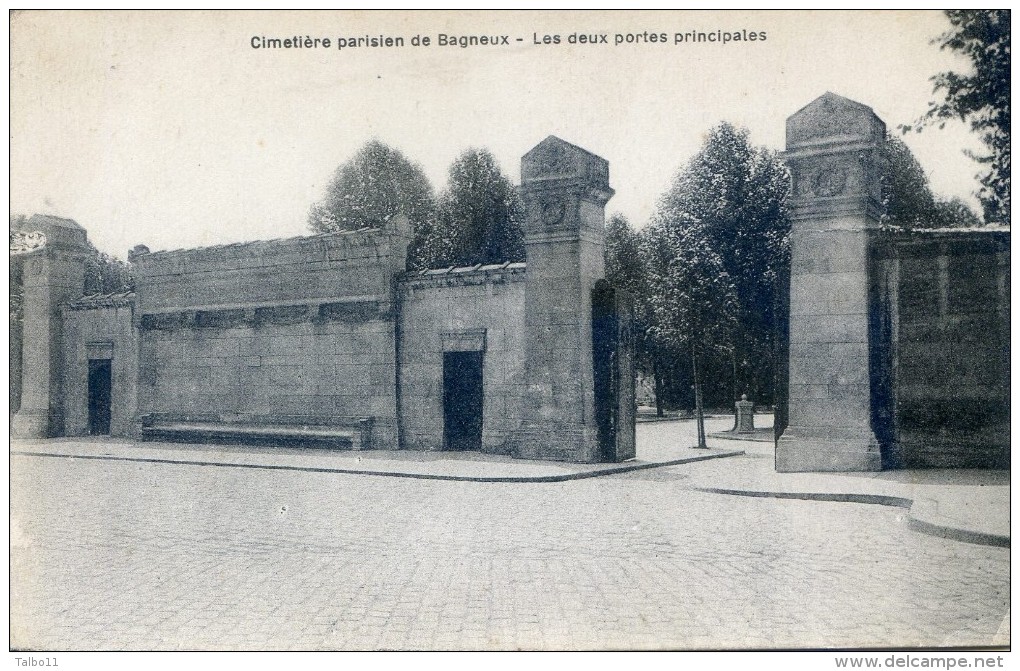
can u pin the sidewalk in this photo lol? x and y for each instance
(465, 466)
(965, 505)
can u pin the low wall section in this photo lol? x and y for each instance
(100, 327)
(449, 311)
(298, 331)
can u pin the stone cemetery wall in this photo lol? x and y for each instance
(289, 331)
(328, 338)
(950, 338)
(100, 328)
(462, 310)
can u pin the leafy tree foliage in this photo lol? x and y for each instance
(907, 198)
(106, 274)
(624, 263)
(691, 294)
(692, 297)
(375, 185)
(735, 193)
(479, 217)
(954, 213)
(981, 97)
(626, 269)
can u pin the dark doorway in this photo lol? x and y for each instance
(462, 400)
(613, 368)
(99, 397)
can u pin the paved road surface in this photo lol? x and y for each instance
(116, 555)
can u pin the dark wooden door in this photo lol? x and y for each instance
(462, 400)
(100, 386)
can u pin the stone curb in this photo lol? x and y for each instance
(914, 522)
(395, 474)
(962, 535)
(925, 519)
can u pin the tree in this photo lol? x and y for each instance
(378, 183)
(954, 213)
(691, 295)
(106, 274)
(981, 98)
(907, 198)
(625, 269)
(737, 193)
(479, 216)
(624, 263)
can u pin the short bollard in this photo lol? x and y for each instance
(745, 415)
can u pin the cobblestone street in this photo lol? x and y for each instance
(120, 555)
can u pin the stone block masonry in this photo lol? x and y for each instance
(329, 338)
(947, 297)
(565, 190)
(463, 309)
(53, 274)
(100, 328)
(832, 154)
(298, 332)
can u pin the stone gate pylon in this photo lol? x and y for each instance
(53, 273)
(832, 148)
(565, 191)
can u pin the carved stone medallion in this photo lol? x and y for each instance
(829, 181)
(553, 212)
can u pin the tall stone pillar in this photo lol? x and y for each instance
(53, 251)
(565, 190)
(832, 152)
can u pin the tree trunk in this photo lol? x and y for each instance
(736, 396)
(658, 388)
(699, 409)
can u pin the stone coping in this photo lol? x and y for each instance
(96, 301)
(478, 273)
(265, 244)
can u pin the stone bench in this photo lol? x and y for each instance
(355, 434)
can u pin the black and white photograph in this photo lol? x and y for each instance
(496, 331)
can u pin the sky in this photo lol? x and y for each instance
(168, 129)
